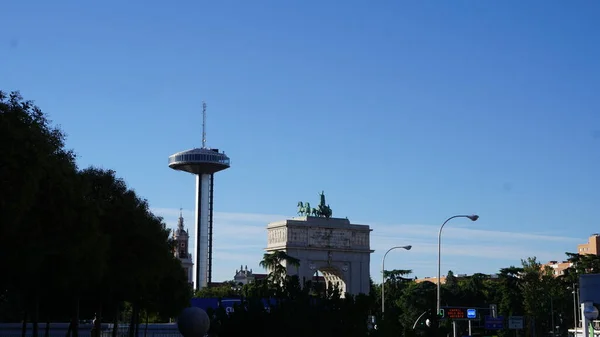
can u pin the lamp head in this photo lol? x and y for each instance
(407, 247)
(473, 217)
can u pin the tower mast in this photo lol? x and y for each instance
(203, 125)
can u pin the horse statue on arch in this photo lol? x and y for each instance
(304, 208)
(322, 210)
(300, 207)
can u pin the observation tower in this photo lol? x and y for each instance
(204, 163)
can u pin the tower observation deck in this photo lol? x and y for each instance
(203, 162)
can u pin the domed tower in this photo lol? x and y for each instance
(181, 238)
(203, 163)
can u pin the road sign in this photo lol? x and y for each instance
(515, 322)
(494, 323)
(458, 313)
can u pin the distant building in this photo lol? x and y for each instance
(431, 279)
(591, 247)
(443, 278)
(245, 276)
(181, 238)
(558, 267)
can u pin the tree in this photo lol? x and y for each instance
(74, 241)
(41, 194)
(474, 290)
(276, 263)
(140, 249)
(451, 290)
(416, 299)
(227, 289)
(582, 264)
(535, 286)
(451, 283)
(395, 283)
(173, 293)
(511, 298)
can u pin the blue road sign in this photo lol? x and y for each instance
(471, 313)
(494, 323)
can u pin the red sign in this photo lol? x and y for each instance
(456, 313)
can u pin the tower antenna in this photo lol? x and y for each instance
(203, 125)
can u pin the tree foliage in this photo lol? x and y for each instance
(79, 239)
(531, 290)
(297, 310)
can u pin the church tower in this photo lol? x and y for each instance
(181, 237)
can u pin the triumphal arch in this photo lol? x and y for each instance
(335, 247)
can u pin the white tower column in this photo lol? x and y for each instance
(201, 227)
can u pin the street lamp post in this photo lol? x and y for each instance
(472, 218)
(552, 316)
(575, 321)
(383, 276)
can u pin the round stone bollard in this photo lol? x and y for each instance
(193, 322)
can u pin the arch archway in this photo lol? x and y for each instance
(332, 277)
(335, 247)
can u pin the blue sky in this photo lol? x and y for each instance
(404, 113)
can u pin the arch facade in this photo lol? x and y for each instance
(335, 247)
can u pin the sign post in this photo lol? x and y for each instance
(515, 322)
(471, 314)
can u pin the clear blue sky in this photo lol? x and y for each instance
(404, 112)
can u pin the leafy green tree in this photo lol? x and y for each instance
(276, 263)
(173, 293)
(42, 196)
(141, 260)
(511, 298)
(451, 284)
(581, 264)
(416, 299)
(535, 286)
(227, 289)
(90, 241)
(473, 289)
(397, 275)
(395, 283)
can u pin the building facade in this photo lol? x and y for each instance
(333, 247)
(182, 251)
(558, 267)
(591, 247)
(245, 276)
(457, 276)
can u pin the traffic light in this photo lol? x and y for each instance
(441, 314)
